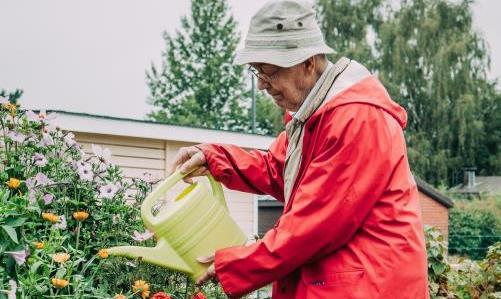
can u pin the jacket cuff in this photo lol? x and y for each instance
(223, 276)
(215, 168)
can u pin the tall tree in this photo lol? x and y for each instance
(197, 84)
(435, 64)
(349, 27)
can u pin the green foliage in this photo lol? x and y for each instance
(269, 117)
(438, 267)
(434, 63)
(474, 226)
(346, 25)
(198, 85)
(465, 279)
(45, 177)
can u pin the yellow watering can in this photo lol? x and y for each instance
(195, 224)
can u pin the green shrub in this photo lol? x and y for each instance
(474, 225)
(467, 278)
(48, 251)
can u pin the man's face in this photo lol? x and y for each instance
(287, 86)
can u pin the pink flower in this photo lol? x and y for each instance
(149, 178)
(62, 223)
(42, 117)
(48, 198)
(84, 170)
(16, 136)
(42, 179)
(104, 155)
(46, 140)
(40, 160)
(108, 190)
(19, 256)
(11, 294)
(69, 139)
(142, 236)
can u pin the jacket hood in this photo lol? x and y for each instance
(369, 91)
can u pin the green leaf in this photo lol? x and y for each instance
(15, 222)
(11, 232)
(60, 273)
(35, 266)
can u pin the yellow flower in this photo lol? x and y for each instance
(38, 245)
(103, 253)
(141, 286)
(80, 216)
(11, 107)
(59, 283)
(60, 257)
(119, 296)
(52, 218)
(13, 183)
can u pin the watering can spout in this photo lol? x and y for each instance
(161, 255)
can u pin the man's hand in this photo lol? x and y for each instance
(189, 158)
(211, 271)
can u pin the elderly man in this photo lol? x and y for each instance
(351, 225)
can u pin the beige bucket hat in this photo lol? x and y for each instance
(283, 33)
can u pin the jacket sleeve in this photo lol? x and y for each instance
(251, 171)
(336, 192)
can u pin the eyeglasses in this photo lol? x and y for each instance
(265, 77)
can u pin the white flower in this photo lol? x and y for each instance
(69, 139)
(19, 256)
(103, 154)
(42, 117)
(84, 170)
(108, 191)
(62, 223)
(40, 160)
(149, 178)
(142, 236)
(42, 179)
(11, 294)
(48, 198)
(16, 136)
(46, 140)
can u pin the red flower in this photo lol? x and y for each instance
(160, 295)
(199, 295)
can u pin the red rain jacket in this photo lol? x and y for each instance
(352, 227)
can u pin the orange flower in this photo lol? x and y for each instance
(119, 296)
(52, 218)
(141, 286)
(59, 283)
(103, 253)
(13, 183)
(60, 257)
(38, 245)
(80, 216)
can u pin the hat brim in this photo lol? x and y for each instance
(279, 57)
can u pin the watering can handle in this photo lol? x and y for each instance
(160, 190)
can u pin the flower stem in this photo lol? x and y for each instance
(78, 234)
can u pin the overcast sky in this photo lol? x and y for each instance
(91, 56)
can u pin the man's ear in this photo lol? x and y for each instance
(309, 65)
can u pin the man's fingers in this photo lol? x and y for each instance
(181, 156)
(195, 161)
(205, 259)
(203, 279)
(199, 172)
(209, 275)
